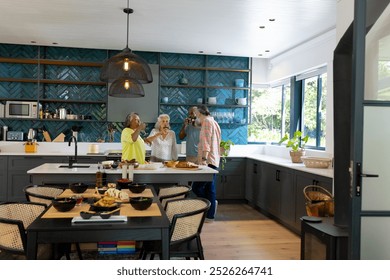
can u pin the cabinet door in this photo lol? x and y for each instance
(231, 180)
(234, 186)
(270, 189)
(18, 178)
(285, 178)
(3, 178)
(302, 180)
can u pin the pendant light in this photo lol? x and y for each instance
(126, 63)
(126, 87)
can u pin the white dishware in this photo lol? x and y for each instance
(240, 101)
(212, 100)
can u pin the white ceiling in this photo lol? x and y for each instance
(180, 26)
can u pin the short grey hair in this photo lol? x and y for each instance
(159, 119)
(129, 118)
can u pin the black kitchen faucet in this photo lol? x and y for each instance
(73, 159)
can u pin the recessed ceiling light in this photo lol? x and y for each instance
(266, 50)
(271, 19)
(200, 51)
(55, 43)
(33, 42)
(219, 52)
(259, 54)
(261, 26)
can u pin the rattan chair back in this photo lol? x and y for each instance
(187, 218)
(42, 194)
(319, 201)
(173, 192)
(15, 217)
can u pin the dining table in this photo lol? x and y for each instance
(53, 227)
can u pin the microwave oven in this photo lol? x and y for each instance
(21, 109)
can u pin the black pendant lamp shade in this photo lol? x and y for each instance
(126, 64)
(126, 87)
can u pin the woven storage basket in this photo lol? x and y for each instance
(316, 162)
(319, 201)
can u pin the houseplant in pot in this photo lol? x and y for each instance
(297, 144)
(224, 151)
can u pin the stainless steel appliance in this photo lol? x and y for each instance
(21, 109)
(15, 136)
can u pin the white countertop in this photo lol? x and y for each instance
(53, 168)
(267, 153)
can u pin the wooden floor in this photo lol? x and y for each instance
(241, 233)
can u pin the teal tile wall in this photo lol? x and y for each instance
(91, 131)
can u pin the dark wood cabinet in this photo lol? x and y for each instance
(18, 178)
(231, 180)
(253, 180)
(278, 191)
(3, 177)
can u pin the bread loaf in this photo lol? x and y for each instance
(186, 164)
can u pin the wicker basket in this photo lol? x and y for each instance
(316, 162)
(319, 201)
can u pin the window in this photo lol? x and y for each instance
(273, 113)
(314, 110)
(270, 114)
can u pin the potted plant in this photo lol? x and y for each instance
(297, 144)
(224, 151)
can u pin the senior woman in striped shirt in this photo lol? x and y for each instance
(208, 154)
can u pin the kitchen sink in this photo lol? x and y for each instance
(74, 166)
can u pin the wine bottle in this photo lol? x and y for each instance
(99, 177)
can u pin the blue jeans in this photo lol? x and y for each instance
(207, 190)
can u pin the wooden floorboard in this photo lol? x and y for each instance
(240, 232)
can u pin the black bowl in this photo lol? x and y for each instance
(141, 203)
(123, 183)
(104, 215)
(78, 187)
(102, 190)
(64, 204)
(137, 188)
(86, 215)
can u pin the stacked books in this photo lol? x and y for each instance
(107, 247)
(116, 247)
(125, 247)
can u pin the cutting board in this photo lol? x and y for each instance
(60, 138)
(46, 135)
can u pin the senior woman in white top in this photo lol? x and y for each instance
(162, 140)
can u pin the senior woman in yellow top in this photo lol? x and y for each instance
(133, 147)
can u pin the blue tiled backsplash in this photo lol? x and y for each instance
(91, 131)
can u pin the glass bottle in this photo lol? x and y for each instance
(99, 177)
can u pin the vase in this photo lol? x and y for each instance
(296, 156)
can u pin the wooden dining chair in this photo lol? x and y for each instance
(45, 194)
(15, 217)
(173, 192)
(186, 218)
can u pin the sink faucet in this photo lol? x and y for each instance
(73, 159)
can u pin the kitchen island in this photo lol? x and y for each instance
(52, 173)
